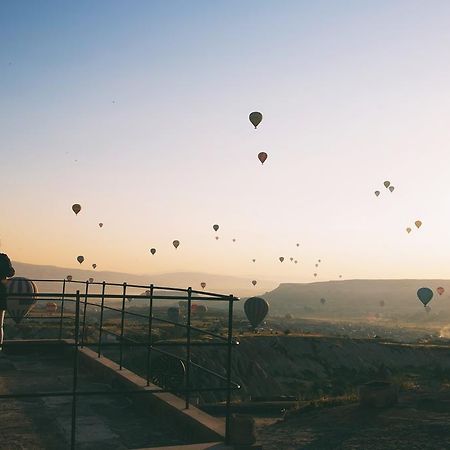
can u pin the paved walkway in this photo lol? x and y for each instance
(103, 422)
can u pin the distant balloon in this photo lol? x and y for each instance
(291, 258)
(387, 184)
(254, 260)
(217, 238)
(69, 278)
(80, 259)
(315, 274)
(295, 261)
(203, 284)
(176, 243)
(281, 258)
(298, 245)
(153, 251)
(440, 290)
(319, 260)
(234, 240)
(408, 230)
(256, 309)
(425, 295)
(19, 307)
(391, 188)
(377, 193)
(100, 224)
(91, 280)
(418, 223)
(317, 265)
(76, 208)
(323, 301)
(255, 118)
(94, 266)
(340, 276)
(254, 282)
(215, 227)
(262, 156)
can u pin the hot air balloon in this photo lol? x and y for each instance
(440, 290)
(298, 245)
(391, 188)
(80, 259)
(408, 230)
(425, 295)
(295, 261)
(69, 278)
(387, 184)
(281, 258)
(315, 274)
(323, 301)
(234, 240)
(319, 260)
(256, 309)
(176, 243)
(377, 193)
(340, 276)
(254, 282)
(215, 227)
(100, 224)
(262, 156)
(254, 260)
(291, 258)
(76, 208)
(153, 251)
(418, 223)
(217, 238)
(51, 307)
(91, 280)
(255, 118)
(317, 265)
(19, 307)
(203, 284)
(94, 266)
(173, 314)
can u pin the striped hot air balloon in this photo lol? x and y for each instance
(18, 307)
(256, 309)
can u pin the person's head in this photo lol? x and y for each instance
(6, 268)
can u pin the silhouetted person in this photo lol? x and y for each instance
(6, 271)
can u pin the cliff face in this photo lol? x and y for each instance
(308, 366)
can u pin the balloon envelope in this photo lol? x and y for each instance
(153, 251)
(418, 223)
(254, 282)
(377, 193)
(408, 230)
(80, 259)
(256, 309)
(69, 278)
(94, 266)
(19, 307)
(391, 188)
(176, 243)
(76, 208)
(255, 118)
(425, 295)
(100, 225)
(203, 284)
(262, 156)
(440, 290)
(281, 258)
(215, 227)
(387, 184)
(91, 280)
(323, 301)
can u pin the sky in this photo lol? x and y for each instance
(139, 110)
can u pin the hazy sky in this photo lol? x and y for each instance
(138, 110)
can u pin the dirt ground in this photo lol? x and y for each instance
(421, 420)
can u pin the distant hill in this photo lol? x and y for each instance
(223, 284)
(357, 298)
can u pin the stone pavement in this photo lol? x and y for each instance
(103, 422)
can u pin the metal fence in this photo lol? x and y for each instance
(78, 321)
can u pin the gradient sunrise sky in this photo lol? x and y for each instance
(138, 110)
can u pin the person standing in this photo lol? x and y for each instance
(6, 271)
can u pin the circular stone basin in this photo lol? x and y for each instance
(378, 394)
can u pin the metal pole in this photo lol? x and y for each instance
(84, 313)
(75, 372)
(62, 308)
(122, 323)
(150, 341)
(230, 346)
(188, 349)
(100, 333)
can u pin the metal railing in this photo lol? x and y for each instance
(79, 321)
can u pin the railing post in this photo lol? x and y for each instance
(84, 314)
(150, 341)
(75, 371)
(100, 333)
(188, 350)
(62, 309)
(122, 323)
(229, 347)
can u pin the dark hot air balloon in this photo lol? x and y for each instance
(18, 307)
(69, 278)
(94, 266)
(425, 295)
(255, 118)
(254, 282)
(203, 284)
(408, 230)
(418, 223)
(281, 258)
(80, 259)
(176, 243)
(256, 309)
(100, 225)
(262, 156)
(387, 184)
(377, 193)
(153, 251)
(76, 208)
(440, 290)
(215, 227)
(391, 188)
